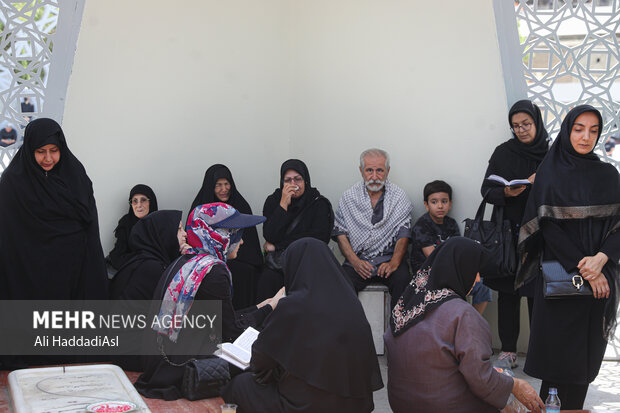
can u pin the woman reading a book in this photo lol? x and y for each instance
(214, 234)
(439, 346)
(572, 218)
(315, 353)
(517, 158)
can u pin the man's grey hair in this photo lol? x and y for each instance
(375, 152)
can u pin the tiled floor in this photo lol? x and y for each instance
(603, 394)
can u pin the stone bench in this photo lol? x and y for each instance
(375, 300)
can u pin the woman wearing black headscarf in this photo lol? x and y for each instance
(436, 337)
(49, 230)
(315, 352)
(572, 216)
(295, 210)
(517, 158)
(155, 242)
(142, 201)
(219, 186)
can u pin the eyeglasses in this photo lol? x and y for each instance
(298, 179)
(137, 201)
(524, 127)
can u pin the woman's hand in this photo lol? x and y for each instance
(276, 298)
(269, 247)
(527, 395)
(532, 178)
(184, 247)
(600, 286)
(592, 266)
(511, 191)
(288, 190)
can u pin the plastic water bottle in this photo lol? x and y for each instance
(552, 404)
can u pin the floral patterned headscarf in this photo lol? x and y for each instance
(209, 247)
(448, 273)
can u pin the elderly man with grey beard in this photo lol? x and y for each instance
(373, 226)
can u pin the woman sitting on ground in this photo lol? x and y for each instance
(439, 347)
(218, 186)
(315, 353)
(214, 236)
(156, 240)
(142, 201)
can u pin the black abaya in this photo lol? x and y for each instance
(306, 343)
(122, 251)
(573, 212)
(246, 267)
(155, 245)
(49, 230)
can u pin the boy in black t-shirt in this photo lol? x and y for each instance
(433, 228)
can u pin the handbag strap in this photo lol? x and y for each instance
(163, 353)
(498, 211)
(297, 219)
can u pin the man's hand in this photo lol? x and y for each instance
(363, 268)
(387, 268)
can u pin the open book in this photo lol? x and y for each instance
(514, 182)
(239, 352)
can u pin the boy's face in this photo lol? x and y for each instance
(438, 205)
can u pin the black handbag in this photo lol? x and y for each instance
(202, 378)
(558, 283)
(205, 378)
(496, 236)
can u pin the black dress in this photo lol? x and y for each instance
(303, 358)
(49, 228)
(310, 215)
(513, 160)
(573, 212)
(161, 380)
(121, 251)
(247, 266)
(155, 245)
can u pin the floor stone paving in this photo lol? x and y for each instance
(603, 394)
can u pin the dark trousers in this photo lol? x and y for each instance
(244, 284)
(396, 282)
(509, 318)
(269, 282)
(571, 395)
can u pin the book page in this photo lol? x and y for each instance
(237, 352)
(246, 339)
(508, 183)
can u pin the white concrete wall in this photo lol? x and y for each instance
(159, 92)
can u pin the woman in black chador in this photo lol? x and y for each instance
(517, 158)
(295, 210)
(315, 353)
(219, 186)
(573, 217)
(49, 230)
(142, 201)
(156, 240)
